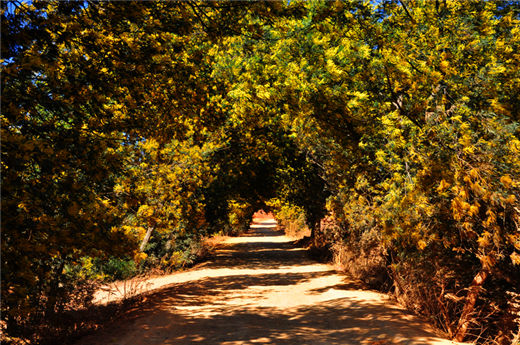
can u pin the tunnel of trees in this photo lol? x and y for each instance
(130, 130)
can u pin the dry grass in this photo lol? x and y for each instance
(296, 233)
(367, 266)
(212, 242)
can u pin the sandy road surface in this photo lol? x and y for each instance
(260, 289)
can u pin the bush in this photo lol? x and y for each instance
(291, 218)
(118, 269)
(239, 217)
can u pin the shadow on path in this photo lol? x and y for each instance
(260, 289)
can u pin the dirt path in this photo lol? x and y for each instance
(260, 289)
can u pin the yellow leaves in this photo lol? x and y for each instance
(461, 208)
(467, 226)
(381, 156)
(23, 206)
(444, 66)
(317, 40)
(515, 240)
(176, 259)
(361, 182)
(484, 239)
(515, 258)
(473, 210)
(125, 228)
(468, 150)
(487, 261)
(463, 194)
(473, 173)
(476, 188)
(497, 69)
(145, 211)
(149, 145)
(457, 118)
(443, 185)
(499, 108)
(334, 71)
(506, 181)
(139, 257)
(330, 53)
(490, 220)
(263, 92)
(118, 188)
(510, 199)
(363, 51)
(514, 146)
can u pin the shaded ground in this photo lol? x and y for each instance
(260, 289)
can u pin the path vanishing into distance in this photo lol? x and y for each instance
(262, 289)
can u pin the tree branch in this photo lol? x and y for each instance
(407, 12)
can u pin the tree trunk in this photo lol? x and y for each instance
(471, 299)
(146, 238)
(53, 297)
(314, 233)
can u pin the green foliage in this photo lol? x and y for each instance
(117, 269)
